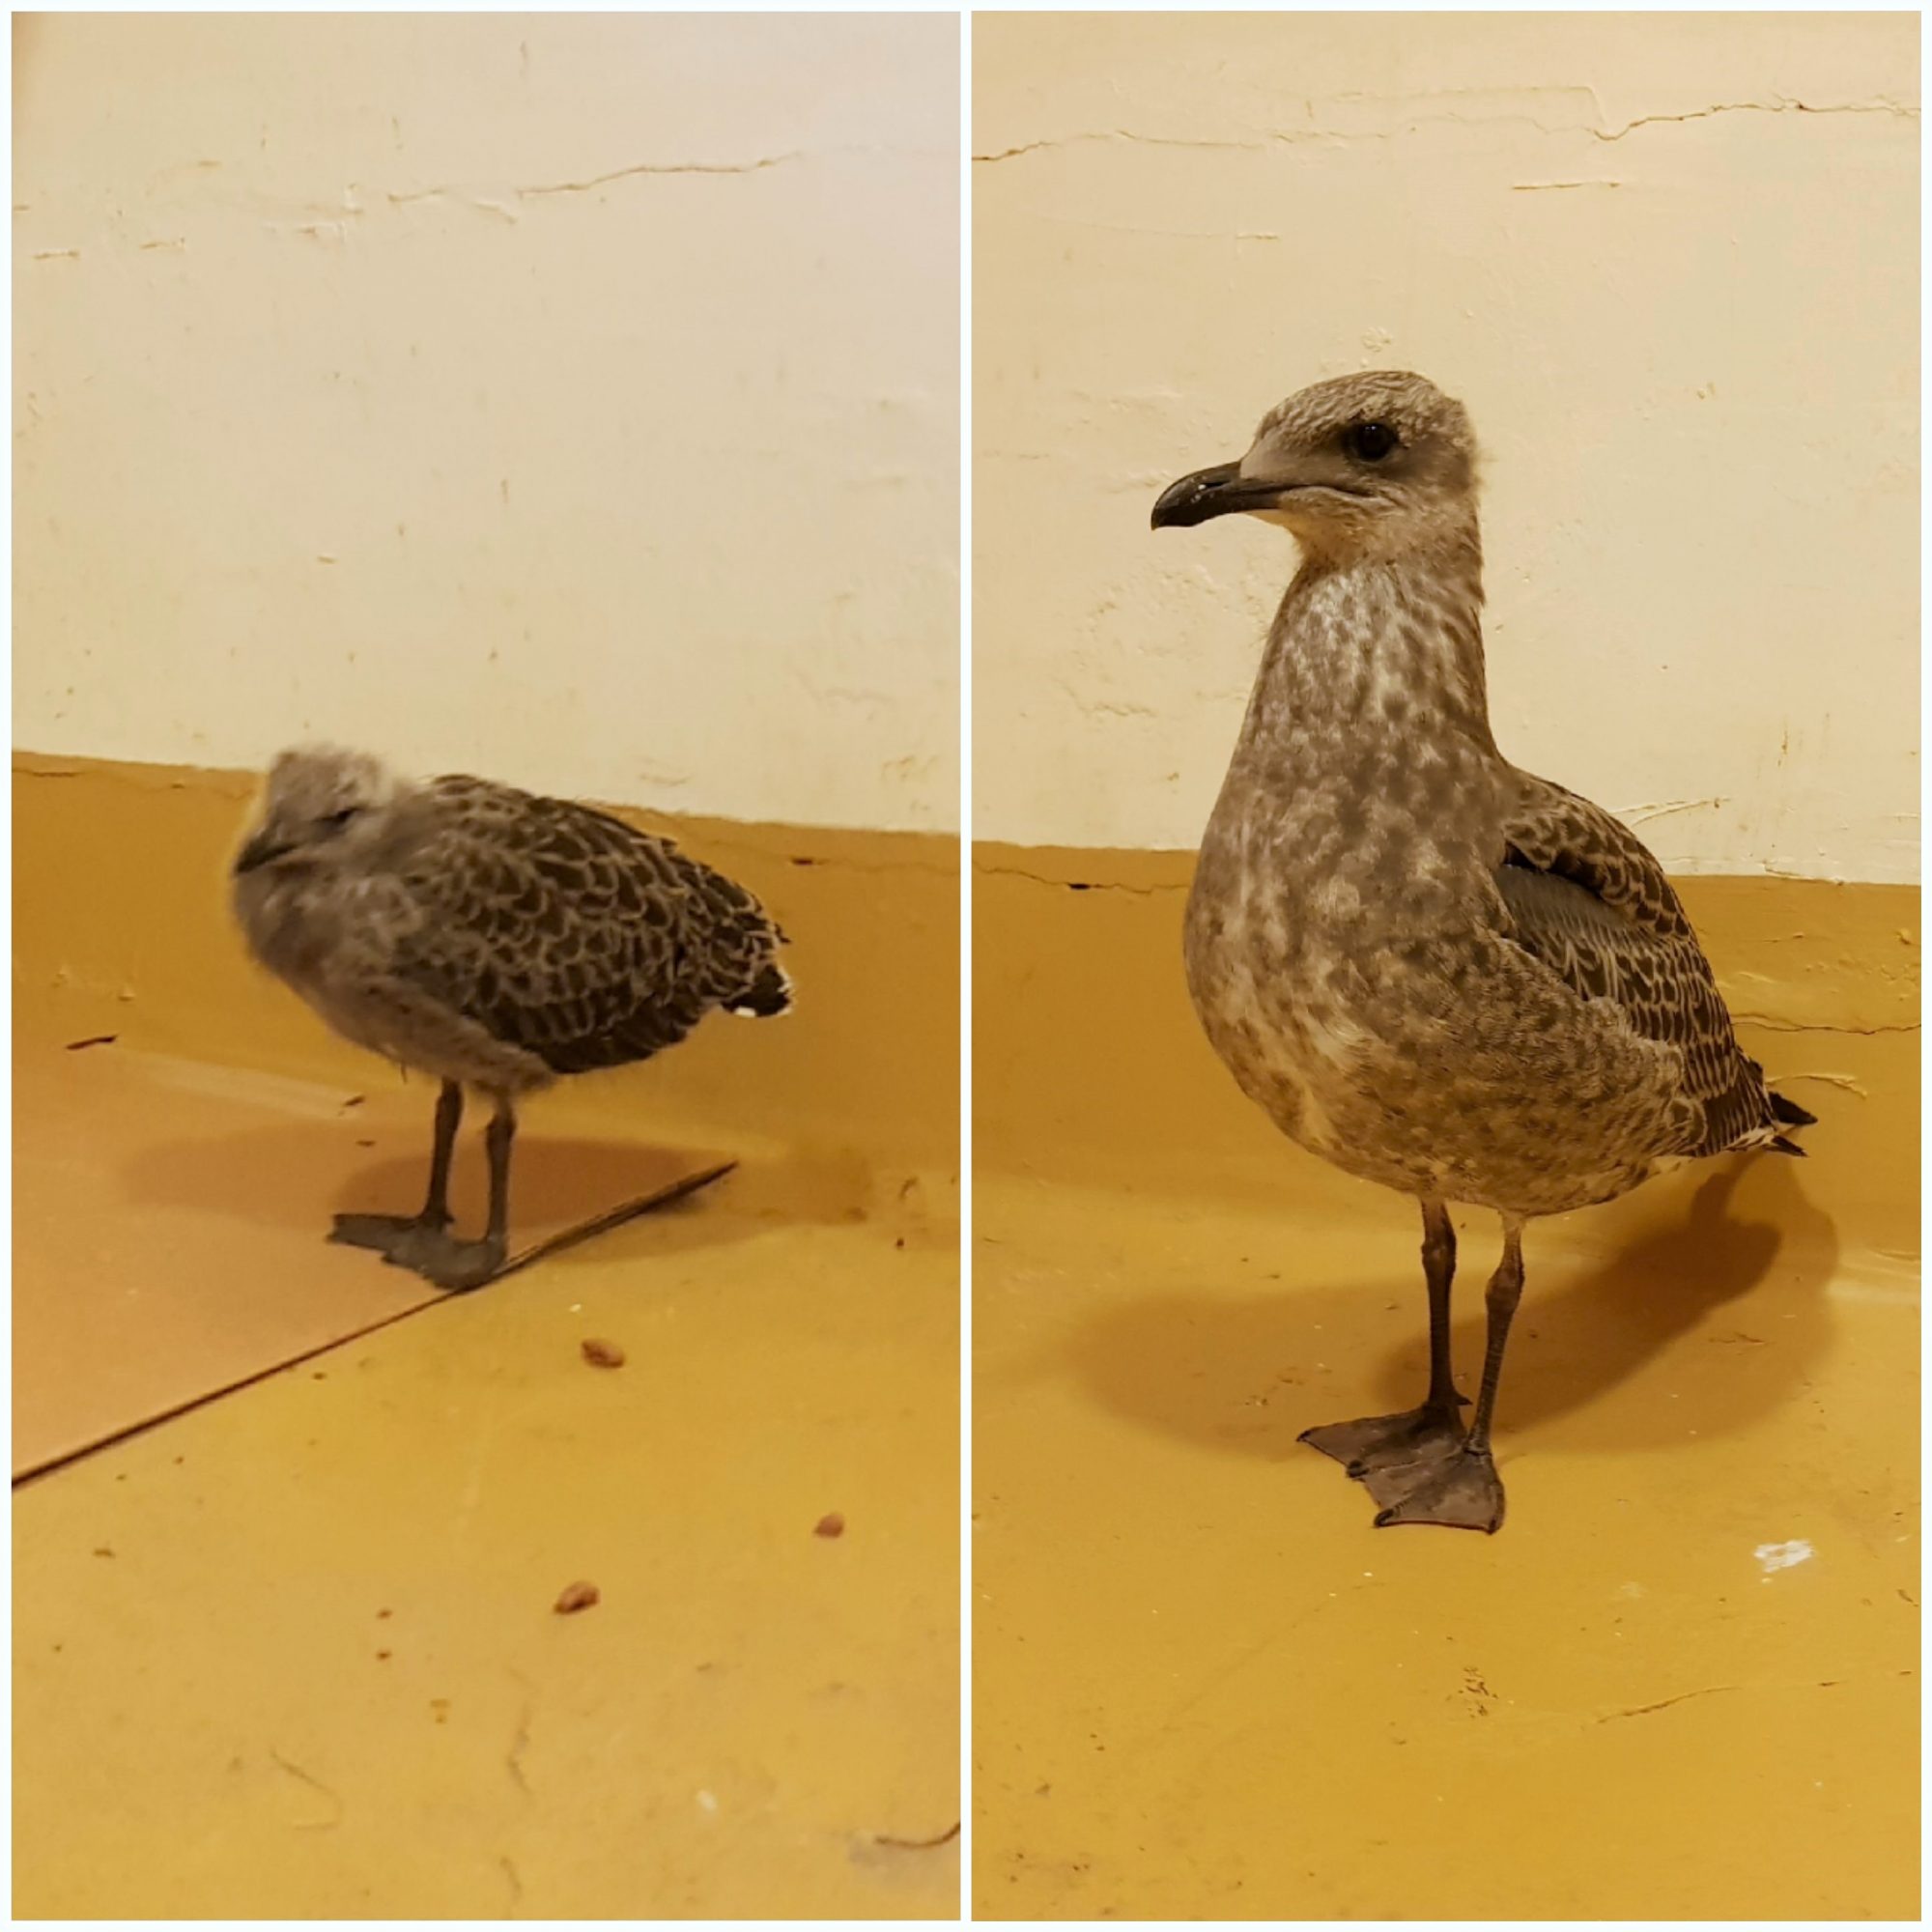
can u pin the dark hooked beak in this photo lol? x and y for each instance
(1212, 493)
(259, 851)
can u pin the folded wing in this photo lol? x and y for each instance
(1587, 900)
(566, 933)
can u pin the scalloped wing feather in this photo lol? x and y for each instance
(1591, 902)
(569, 934)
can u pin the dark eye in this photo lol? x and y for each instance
(1370, 441)
(336, 820)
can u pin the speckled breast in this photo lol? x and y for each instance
(1360, 1041)
(1271, 1007)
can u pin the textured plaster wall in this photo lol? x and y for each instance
(1671, 263)
(574, 399)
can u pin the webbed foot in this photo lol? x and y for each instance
(1461, 1490)
(1424, 1434)
(448, 1262)
(424, 1246)
(384, 1233)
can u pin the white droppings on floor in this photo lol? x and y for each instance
(1775, 1556)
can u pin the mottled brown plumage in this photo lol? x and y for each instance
(490, 937)
(570, 937)
(1437, 971)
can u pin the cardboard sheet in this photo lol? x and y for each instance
(170, 1222)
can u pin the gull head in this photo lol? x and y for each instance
(1368, 465)
(325, 809)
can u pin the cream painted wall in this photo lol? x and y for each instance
(1671, 263)
(569, 398)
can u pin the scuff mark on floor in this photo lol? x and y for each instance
(945, 1838)
(314, 1783)
(514, 1759)
(1664, 1703)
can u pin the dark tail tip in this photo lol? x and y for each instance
(1790, 1112)
(1783, 1144)
(767, 996)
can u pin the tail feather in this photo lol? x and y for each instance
(1783, 1144)
(766, 997)
(1790, 1112)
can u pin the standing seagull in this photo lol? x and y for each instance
(493, 939)
(1427, 966)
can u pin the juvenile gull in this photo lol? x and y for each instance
(1427, 966)
(493, 939)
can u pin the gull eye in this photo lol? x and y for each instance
(334, 821)
(1370, 441)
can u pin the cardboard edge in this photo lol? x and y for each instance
(432, 1298)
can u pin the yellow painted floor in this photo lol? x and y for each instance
(294, 1653)
(1681, 1682)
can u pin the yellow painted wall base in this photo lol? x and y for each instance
(122, 924)
(1089, 1064)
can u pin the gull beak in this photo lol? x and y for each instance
(1213, 492)
(260, 850)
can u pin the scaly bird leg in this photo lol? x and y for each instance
(388, 1232)
(422, 1242)
(1461, 1489)
(461, 1264)
(1422, 1435)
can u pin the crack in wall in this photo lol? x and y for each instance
(753, 167)
(1823, 1026)
(1642, 814)
(1076, 885)
(331, 222)
(521, 191)
(1137, 140)
(1290, 137)
(1881, 106)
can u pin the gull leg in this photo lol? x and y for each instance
(1434, 1430)
(1463, 1489)
(387, 1233)
(461, 1264)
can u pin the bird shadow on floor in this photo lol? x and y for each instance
(1604, 1357)
(294, 1176)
